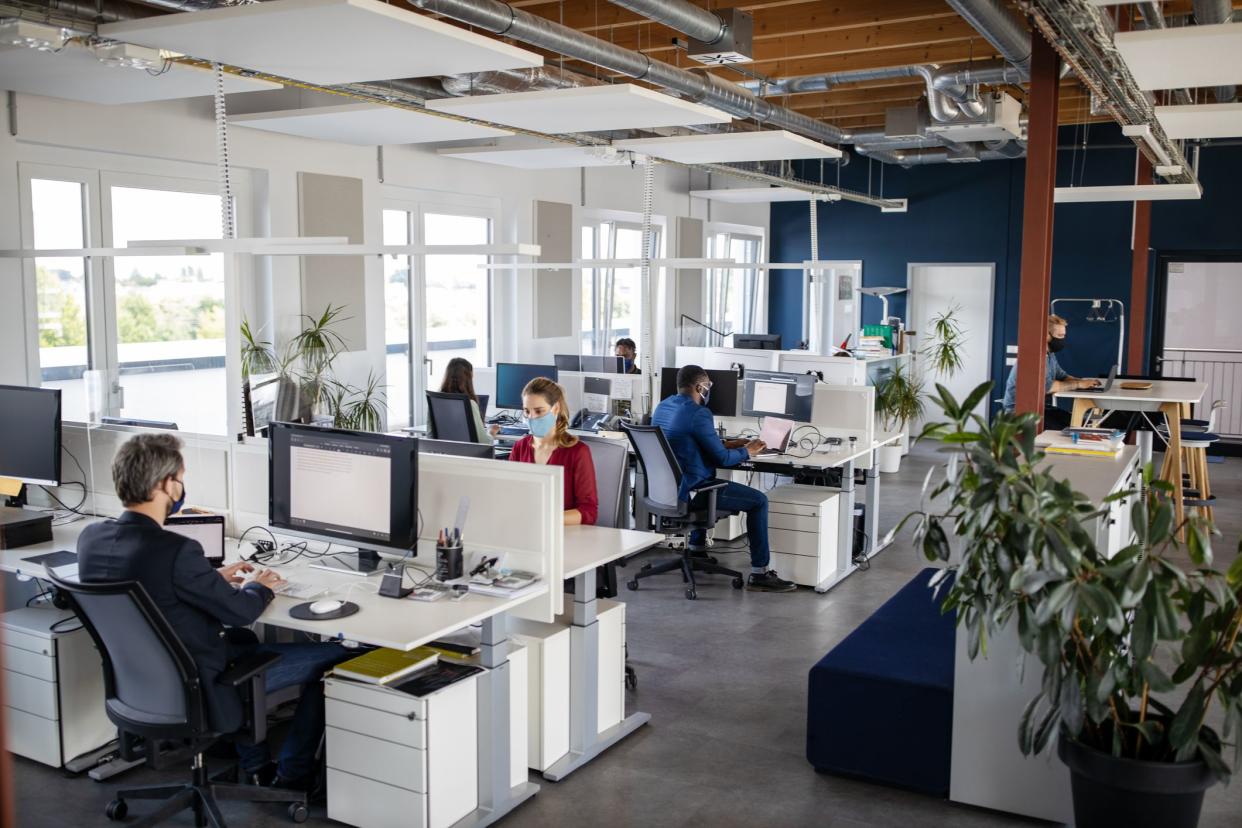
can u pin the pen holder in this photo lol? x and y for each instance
(448, 563)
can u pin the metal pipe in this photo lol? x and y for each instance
(1000, 27)
(702, 25)
(1208, 13)
(516, 80)
(500, 18)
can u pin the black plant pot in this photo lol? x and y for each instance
(1127, 793)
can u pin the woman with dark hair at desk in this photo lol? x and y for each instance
(459, 379)
(550, 443)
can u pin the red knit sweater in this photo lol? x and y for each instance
(580, 492)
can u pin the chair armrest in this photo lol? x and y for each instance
(710, 486)
(246, 668)
(709, 492)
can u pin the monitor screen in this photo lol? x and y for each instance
(776, 394)
(597, 385)
(336, 484)
(483, 399)
(511, 378)
(453, 447)
(208, 530)
(30, 437)
(765, 342)
(723, 399)
(567, 362)
(603, 364)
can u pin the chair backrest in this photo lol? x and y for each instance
(1218, 406)
(151, 682)
(661, 471)
(611, 459)
(449, 417)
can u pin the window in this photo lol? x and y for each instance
(612, 297)
(397, 319)
(457, 294)
(734, 296)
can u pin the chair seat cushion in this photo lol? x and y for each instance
(1199, 437)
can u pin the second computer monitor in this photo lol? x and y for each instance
(567, 362)
(512, 377)
(777, 394)
(30, 434)
(762, 342)
(723, 400)
(603, 364)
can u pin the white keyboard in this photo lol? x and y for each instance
(300, 591)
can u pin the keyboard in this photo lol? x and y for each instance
(299, 591)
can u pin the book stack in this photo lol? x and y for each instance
(1083, 442)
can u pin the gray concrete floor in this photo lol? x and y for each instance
(724, 679)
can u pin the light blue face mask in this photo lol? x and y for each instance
(542, 426)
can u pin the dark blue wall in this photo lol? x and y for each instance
(973, 213)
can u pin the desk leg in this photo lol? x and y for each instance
(873, 506)
(844, 564)
(1081, 407)
(585, 740)
(496, 798)
(1173, 462)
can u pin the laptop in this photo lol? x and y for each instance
(1108, 383)
(775, 433)
(208, 530)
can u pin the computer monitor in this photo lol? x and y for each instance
(483, 399)
(760, 342)
(511, 378)
(208, 530)
(603, 364)
(352, 487)
(567, 362)
(723, 399)
(456, 448)
(778, 394)
(137, 422)
(30, 435)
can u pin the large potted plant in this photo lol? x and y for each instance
(940, 357)
(1140, 654)
(898, 402)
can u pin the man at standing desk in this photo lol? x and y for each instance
(1056, 378)
(691, 434)
(199, 601)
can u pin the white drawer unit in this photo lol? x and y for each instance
(547, 674)
(53, 682)
(610, 615)
(802, 531)
(399, 760)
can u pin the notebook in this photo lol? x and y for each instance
(383, 665)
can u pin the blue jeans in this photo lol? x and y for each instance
(300, 664)
(735, 497)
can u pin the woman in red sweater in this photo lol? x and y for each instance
(550, 443)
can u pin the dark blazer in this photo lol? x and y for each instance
(691, 434)
(197, 602)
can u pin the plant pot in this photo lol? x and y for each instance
(1112, 792)
(905, 441)
(890, 459)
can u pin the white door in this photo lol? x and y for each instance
(935, 289)
(831, 309)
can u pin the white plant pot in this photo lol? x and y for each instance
(890, 459)
(905, 442)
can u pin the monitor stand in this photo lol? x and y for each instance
(363, 563)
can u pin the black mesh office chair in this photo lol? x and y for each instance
(449, 417)
(668, 513)
(153, 691)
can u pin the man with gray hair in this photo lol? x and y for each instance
(200, 602)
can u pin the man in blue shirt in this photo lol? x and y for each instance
(1055, 378)
(688, 426)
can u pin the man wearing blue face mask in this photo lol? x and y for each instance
(628, 351)
(208, 608)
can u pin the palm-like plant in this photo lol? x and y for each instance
(257, 356)
(363, 411)
(899, 399)
(944, 346)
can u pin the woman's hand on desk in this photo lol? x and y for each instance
(755, 446)
(233, 572)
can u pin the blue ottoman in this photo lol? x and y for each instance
(880, 704)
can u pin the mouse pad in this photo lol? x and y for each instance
(302, 612)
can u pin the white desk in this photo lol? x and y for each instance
(587, 547)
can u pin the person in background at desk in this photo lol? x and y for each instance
(198, 601)
(459, 379)
(550, 443)
(1055, 379)
(628, 351)
(687, 424)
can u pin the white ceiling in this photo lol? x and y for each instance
(531, 154)
(76, 74)
(726, 147)
(754, 195)
(366, 124)
(1186, 56)
(1201, 120)
(324, 41)
(583, 109)
(1127, 192)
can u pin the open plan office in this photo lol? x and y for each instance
(447, 413)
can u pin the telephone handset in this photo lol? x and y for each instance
(586, 420)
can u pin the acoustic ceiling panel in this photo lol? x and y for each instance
(324, 41)
(1185, 56)
(729, 147)
(754, 195)
(583, 109)
(535, 155)
(1201, 120)
(76, 74)
(366, 124)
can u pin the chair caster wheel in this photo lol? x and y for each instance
(298, 812)
(691, 594)
(631, 678)
(116, 810)
(738, 582)
(632, 584)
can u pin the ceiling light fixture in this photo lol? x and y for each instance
(25, 34)
(128, 56)
(1143, 132)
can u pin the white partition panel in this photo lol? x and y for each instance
(835, 370)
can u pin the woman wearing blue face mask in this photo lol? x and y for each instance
(550, 443)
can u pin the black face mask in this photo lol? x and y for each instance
(1055, 344)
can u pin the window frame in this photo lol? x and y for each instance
(758, 293)
(592, 219)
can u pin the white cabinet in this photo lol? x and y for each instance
(53, 681)
(802, 531)
(547, 666)
(400, 760)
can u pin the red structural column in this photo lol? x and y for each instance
(1036, 276)
(1138, 274)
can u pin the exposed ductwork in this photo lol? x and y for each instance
(1006, 32)
(942, 155)
(516, 80)
(1210, 12)
(701, 24)
(500, 18)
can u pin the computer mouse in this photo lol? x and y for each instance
(325, 607)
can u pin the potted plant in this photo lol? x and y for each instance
(1138, 652)
(942, 352)
(898, 402)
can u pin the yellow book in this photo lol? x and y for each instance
(1082, 452)
(384, 665)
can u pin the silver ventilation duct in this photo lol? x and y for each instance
(516, 80)
(702, 25)
(1210, 12)
(501, 19)
(1006, 32)
(941, 155)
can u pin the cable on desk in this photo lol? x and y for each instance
(75, 508)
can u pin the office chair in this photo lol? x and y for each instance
(665, 509)
(154, 691)
(449, 417)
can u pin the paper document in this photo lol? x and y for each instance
(769, 396)
(622, 388)
(595, 403)
(10, 487)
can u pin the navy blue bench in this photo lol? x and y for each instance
(880, 704)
